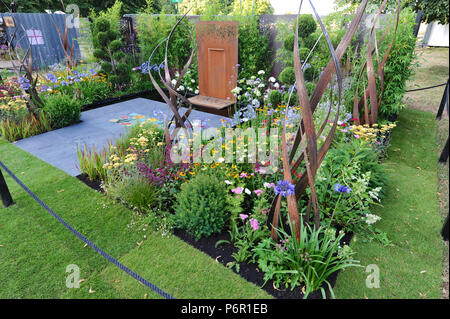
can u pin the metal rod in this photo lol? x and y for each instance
(444, 101)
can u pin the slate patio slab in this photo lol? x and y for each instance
(97, 127)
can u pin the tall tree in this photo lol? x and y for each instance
(129, 6)
(433, 10)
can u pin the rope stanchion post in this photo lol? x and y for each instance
(444, 102)
(4, 192)
(445, 153)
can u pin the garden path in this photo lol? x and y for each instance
(97, 127)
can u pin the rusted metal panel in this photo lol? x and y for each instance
(217, 53)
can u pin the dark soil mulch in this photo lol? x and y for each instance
(92, 184)
(250, 272)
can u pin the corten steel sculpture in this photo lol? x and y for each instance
(310, 156)
(177, 121)
(217, 54)
(361, 105)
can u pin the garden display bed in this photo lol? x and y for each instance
(223, 254)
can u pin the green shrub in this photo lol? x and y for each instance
(63, 110)
(133, 190)
(275, 98)
(108, 49)
(254, 49)
(309, 73)
(201, 206)
(293, 100)
(310, 86)
(287, 76)
(306, 25)
(288, 42)
(303, 53)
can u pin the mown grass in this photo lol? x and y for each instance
(412, 266)
(35, 249)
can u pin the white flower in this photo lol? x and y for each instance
(192, 81)
(174, 81)
(261, 72)
(236, 90)
(276, 85)
(267, 185)
(221, 160)
(180, 88)
(261, 85)
(196, 91)
(371, 218)
(228, 182)
(272, 79)
(247, 191)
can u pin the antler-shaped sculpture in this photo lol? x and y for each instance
(171, 100)
(310, 154)
(34, 102)
(371, 114)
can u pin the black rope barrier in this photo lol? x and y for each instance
(4, 194)
(426, 88)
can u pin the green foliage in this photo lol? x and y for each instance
(63, 110)
(309, 260)
(133, 190)
(303, 53)
(86, 7)
(108, 48)
(153, 29)
(399, 66)
(250, 7)
(254, 49)
(397, 70)
(353, 164)
(201, 206)
(293, 100)
(310, 86)
(26, 126)
(310, 73)
(205, 7)
(275, 98)
(287, 76)
(306, 25)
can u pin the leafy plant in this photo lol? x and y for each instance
(201, 206)
(133, 190)
(63, 110)
(109, 51)
(309, 260)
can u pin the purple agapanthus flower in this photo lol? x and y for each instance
(341, 188)
(284, 188)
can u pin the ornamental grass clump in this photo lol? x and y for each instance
(201, 207)
(308, 260)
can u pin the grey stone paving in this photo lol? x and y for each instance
(59, 147)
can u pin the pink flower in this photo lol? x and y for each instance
(243, 175)
(254, 223)
(356, 135)
(243, 216)
(237, 190)
(258, 192)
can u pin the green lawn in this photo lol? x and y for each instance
(412, 267)
(35, 249)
